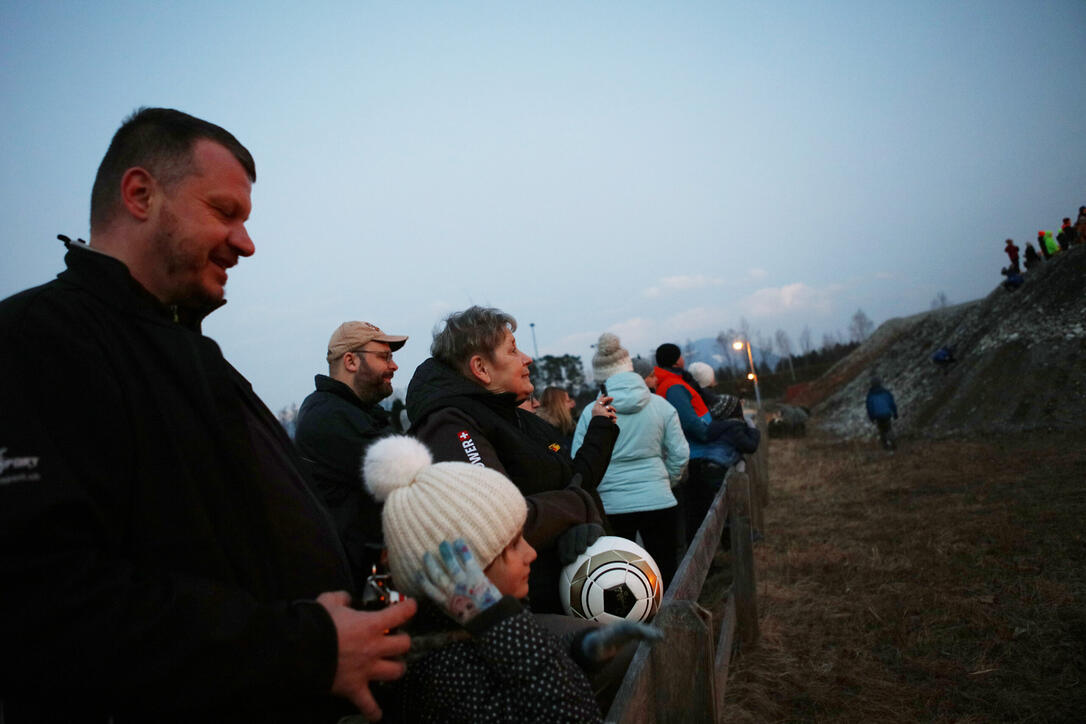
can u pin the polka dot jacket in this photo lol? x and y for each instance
(508, 668)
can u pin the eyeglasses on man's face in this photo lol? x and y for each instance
(380, 354)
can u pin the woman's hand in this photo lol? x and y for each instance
(602, 408)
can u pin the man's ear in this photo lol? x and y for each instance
(479, 368)
(350, 362)
(138, 192)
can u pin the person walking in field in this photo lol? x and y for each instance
(881, 410)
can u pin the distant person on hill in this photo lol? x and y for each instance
(1067, 235)
(1014, 279)
(1012, 253)
(943, 358)
(1080, 225)
(1032, 257)
(881, 409)
(1048, 245)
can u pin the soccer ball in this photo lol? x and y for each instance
(614, 579)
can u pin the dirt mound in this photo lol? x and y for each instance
(1021, 363)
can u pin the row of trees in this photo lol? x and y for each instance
(568, 370)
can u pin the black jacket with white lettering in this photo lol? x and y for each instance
(150, 571)
(461, 421)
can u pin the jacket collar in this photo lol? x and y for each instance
(324, 383)
(109, 280)
(434, 384)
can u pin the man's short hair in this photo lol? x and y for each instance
(476, 330)
(668, 354)
(161, 141)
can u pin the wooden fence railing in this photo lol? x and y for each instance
(683, 678)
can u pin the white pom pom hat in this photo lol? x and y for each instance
(610, 358)
(426, 503)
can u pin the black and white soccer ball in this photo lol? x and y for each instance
(614, 579)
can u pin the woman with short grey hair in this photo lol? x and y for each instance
(463, 405)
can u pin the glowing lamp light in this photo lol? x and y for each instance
(750, 375)
(737, 345)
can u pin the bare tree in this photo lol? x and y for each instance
(828, 341)
(784, 349)
(724, 340)
(861, 326)
(763, 343)
(940, 300)
(690, 352)
(805, 344)
(744, 328)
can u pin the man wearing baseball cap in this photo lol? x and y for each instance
(338, 422)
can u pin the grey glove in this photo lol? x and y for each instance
(457, 583)
(576, 540)
(603, 643)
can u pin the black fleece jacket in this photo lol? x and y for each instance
(159, 549)
(334, 431)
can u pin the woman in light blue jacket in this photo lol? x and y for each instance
(648, 458)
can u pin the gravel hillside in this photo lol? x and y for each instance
(1022, 362)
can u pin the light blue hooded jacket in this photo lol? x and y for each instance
(650, 453)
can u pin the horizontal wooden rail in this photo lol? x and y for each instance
(684, 677)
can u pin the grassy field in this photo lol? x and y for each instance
(946, 582)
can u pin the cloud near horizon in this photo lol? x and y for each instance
(789, 306)
(683, 282)
(772, 301)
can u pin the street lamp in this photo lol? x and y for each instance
(752, 375)
(535, 347)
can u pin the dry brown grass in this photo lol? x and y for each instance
(946, 582)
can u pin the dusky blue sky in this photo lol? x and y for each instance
(659, 170)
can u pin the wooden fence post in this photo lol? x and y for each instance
(682, 664)
(743, 580)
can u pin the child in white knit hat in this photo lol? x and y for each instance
(453, 532)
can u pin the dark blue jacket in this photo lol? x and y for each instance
(880, 404)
